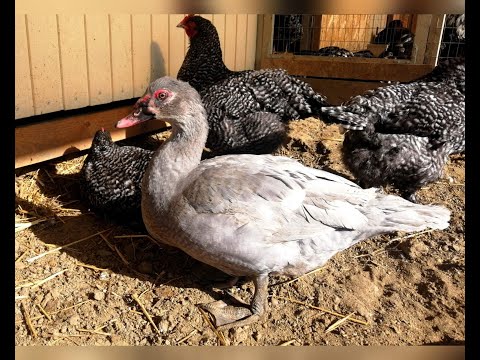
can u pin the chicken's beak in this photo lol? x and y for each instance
(181, 25)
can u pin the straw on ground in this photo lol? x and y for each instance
(321, 309)
(145, 312)
(65, 246)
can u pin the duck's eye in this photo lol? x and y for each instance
(161, 94)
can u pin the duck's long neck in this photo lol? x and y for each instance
(174, 160)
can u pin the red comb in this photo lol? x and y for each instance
(186, 18)
(103, 129)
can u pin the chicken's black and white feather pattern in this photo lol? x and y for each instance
(402, 134)
(247, 110)
(111, 177)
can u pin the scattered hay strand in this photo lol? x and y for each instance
(115, 249)
(332, 139)
(145, 312)
(286, 343)
(136, 236)
(193, 332)
(28, 321)
(93, 267)
(65, 246)
(322, 309)
(169, 281)
(144, 291)
(338, 323)
(25, 225)
(37, 283)
(399, 238)
(132, 236)
(96, 331)
(136, 312)
(220, 336)
(49, 176)
(21, 256)
(43, 311)
(298, 277)
(58, 311)
(20, 297)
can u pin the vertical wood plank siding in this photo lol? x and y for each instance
(73, 61)
(23, 77)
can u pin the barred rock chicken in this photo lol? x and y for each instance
(453, 38)
(255, 215)
(402, 134)
(247, 110)
(111, 177)
(364, 53)
(398, 38)
(287, 32)
(335, 51)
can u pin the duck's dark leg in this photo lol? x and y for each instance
(227, 317)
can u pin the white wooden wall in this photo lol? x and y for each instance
(72, 61)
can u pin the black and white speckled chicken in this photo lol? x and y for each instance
(111, 177)
(287, 32)
(247, 110)
(334, 51)
(364, 53)
(453, 38)
(402, 134)
(398, 38)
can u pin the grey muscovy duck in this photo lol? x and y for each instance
(254, 215)
(402, 134)
(247, 110)
(111, 177)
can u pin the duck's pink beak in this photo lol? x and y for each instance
(133, 119)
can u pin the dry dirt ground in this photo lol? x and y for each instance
(82, 280)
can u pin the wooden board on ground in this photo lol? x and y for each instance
(50, 139)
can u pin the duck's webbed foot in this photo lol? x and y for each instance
(227, 316)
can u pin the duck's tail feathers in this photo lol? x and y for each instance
(403, 215)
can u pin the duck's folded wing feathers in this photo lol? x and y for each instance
(284, 198)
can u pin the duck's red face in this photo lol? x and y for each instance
(147, 108)
(189, 24)
(140, 113)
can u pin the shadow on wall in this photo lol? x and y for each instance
(157, 70)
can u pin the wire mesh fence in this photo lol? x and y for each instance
(453, 38)
(373, 36)
(344, 35)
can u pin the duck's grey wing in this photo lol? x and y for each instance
(278, 196)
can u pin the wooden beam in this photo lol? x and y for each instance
(50, 139)
(348, 68)
(422, 29)
(434, 39)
